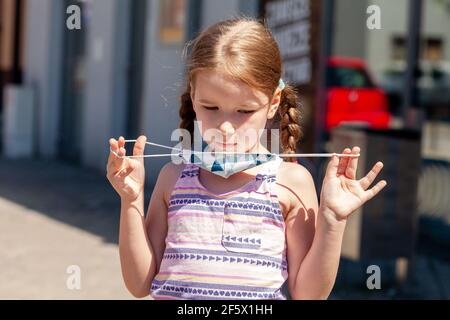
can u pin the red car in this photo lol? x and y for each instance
(353, 96)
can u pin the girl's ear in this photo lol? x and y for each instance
(274, 104)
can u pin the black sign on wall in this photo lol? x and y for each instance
(290, 25)
(295, 26)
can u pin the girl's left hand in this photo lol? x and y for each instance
(341, 193)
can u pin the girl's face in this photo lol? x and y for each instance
(230, 113)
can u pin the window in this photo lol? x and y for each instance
(433, 49)
(172, 21)
(348, 78)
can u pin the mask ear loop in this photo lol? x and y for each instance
(181, 151)
(149, 155)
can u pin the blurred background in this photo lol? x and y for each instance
(74, 73)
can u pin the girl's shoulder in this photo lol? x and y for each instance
(295, 185)
(168, 177)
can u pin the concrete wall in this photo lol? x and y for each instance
(216, 10)
(163, 81)
(42, 69)
(104, 110)
(349, 34)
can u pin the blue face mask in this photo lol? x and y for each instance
(225, 164)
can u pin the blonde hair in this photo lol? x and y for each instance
(245, 49)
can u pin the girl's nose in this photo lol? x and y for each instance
(226, 129)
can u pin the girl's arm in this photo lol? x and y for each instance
(136, 253)
(312, 274)
(312, 251)
(315, 274)
(141, 240)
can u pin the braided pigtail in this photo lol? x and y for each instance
(187, 113)
(289, 117)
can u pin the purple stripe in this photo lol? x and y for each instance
(189, 296)
(206, 285)
(185, 213)
(223, 253)
(185, 296)
(238, 211)
(273, 222)
(195, 196)
(239, 245)
(209, 275)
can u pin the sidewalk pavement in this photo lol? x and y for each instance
(53, 216)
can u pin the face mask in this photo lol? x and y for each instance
(225, 164)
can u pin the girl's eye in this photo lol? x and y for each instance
(240, 111)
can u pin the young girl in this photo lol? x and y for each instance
(242, 232)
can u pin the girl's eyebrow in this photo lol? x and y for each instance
(242, 105)
(205, 101)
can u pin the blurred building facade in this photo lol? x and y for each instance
(12, 25)
(121, 73)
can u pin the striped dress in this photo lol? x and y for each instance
(223, 246)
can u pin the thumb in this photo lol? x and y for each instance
(332, 167)
(139, 147)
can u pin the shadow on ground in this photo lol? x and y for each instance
(77, 196)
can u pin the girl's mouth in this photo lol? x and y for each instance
(225, 145)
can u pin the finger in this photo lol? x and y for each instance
(343, 161)
(114, 161)
(139, 147)
(369, 194)
(112, 147)
(118, 162)
(128, 168)
(352, 165)
(121, 142)
(370, 177)
(332, 166)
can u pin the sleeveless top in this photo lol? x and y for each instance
(223, 246)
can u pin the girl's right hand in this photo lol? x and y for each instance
(126, 175)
